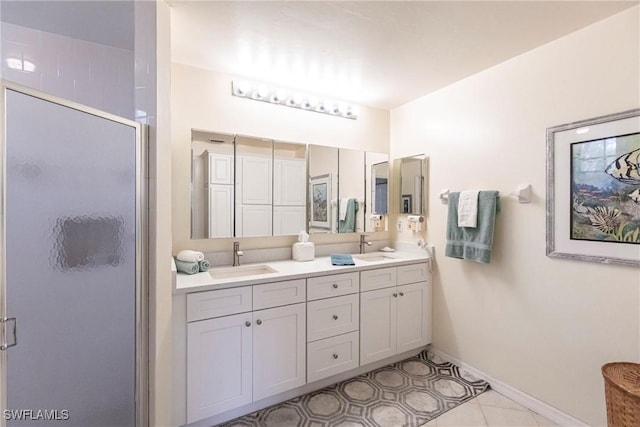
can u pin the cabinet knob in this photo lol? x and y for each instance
(335, 317)
(335, 356)
(335, 286)
(247, 323)
(259, 322)
(401, 294)
(395, 295)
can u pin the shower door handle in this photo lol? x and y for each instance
(4, 322)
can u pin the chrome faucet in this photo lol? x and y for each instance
(363, 243)
(237, 253)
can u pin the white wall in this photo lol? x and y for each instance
(158, 45)
(201, 99)
(92, 74)
(544, 326)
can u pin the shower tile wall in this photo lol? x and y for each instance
(89, 73)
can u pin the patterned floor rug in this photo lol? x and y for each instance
(406, 393)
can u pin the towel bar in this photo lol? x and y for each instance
(523, 194)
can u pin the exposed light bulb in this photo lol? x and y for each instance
(241, 88)
(261, 92)
(278, 96)
(310, 103)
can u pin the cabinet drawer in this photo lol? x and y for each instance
(332, 356)
(378, 279)
(332, 286)
(207, 305)
(412, 273)
(332, 316)
(279, 293)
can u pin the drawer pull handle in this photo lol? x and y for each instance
(247, 323)
(335, 356)
(335, 317)
(395, 295)
(401, 294)
(335, 286)
(259, 322)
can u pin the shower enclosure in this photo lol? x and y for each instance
(72, 313)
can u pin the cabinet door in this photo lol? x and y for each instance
(414, 305)
(288, 220)
(279, 345)
(220, 168)
(377, 324)
(289, 182)
(220, 219)
(255, 182)
(253, 221)
(219, 353)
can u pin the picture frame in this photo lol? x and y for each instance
(593, 190)
(320, 201)
(406, 203)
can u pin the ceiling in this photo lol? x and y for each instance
(379, 54)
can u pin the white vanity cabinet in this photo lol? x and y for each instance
(247, 345)
(395, 311)
(235, 359)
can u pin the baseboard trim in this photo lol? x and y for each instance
(550, 412)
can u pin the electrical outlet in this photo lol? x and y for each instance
(399, 225)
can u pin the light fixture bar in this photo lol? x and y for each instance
(261, 92)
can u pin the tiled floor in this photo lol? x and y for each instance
(490, 409)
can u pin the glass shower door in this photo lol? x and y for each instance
(71, 265)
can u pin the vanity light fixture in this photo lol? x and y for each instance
(259, 92)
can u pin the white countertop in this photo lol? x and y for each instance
(289, 269)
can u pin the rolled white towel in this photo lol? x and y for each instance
(190, 256)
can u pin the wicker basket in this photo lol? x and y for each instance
(622, 392)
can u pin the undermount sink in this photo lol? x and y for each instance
(249, 270)
(375, 256)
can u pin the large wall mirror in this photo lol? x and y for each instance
(412, 172)
(245, 186)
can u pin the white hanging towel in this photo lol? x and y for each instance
(343, 208)
(468, 209)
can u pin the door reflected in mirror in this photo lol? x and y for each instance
(377, 182)
(412, 170)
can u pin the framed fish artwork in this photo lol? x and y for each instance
(593, 189)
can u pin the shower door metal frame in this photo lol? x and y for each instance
(141, 292)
